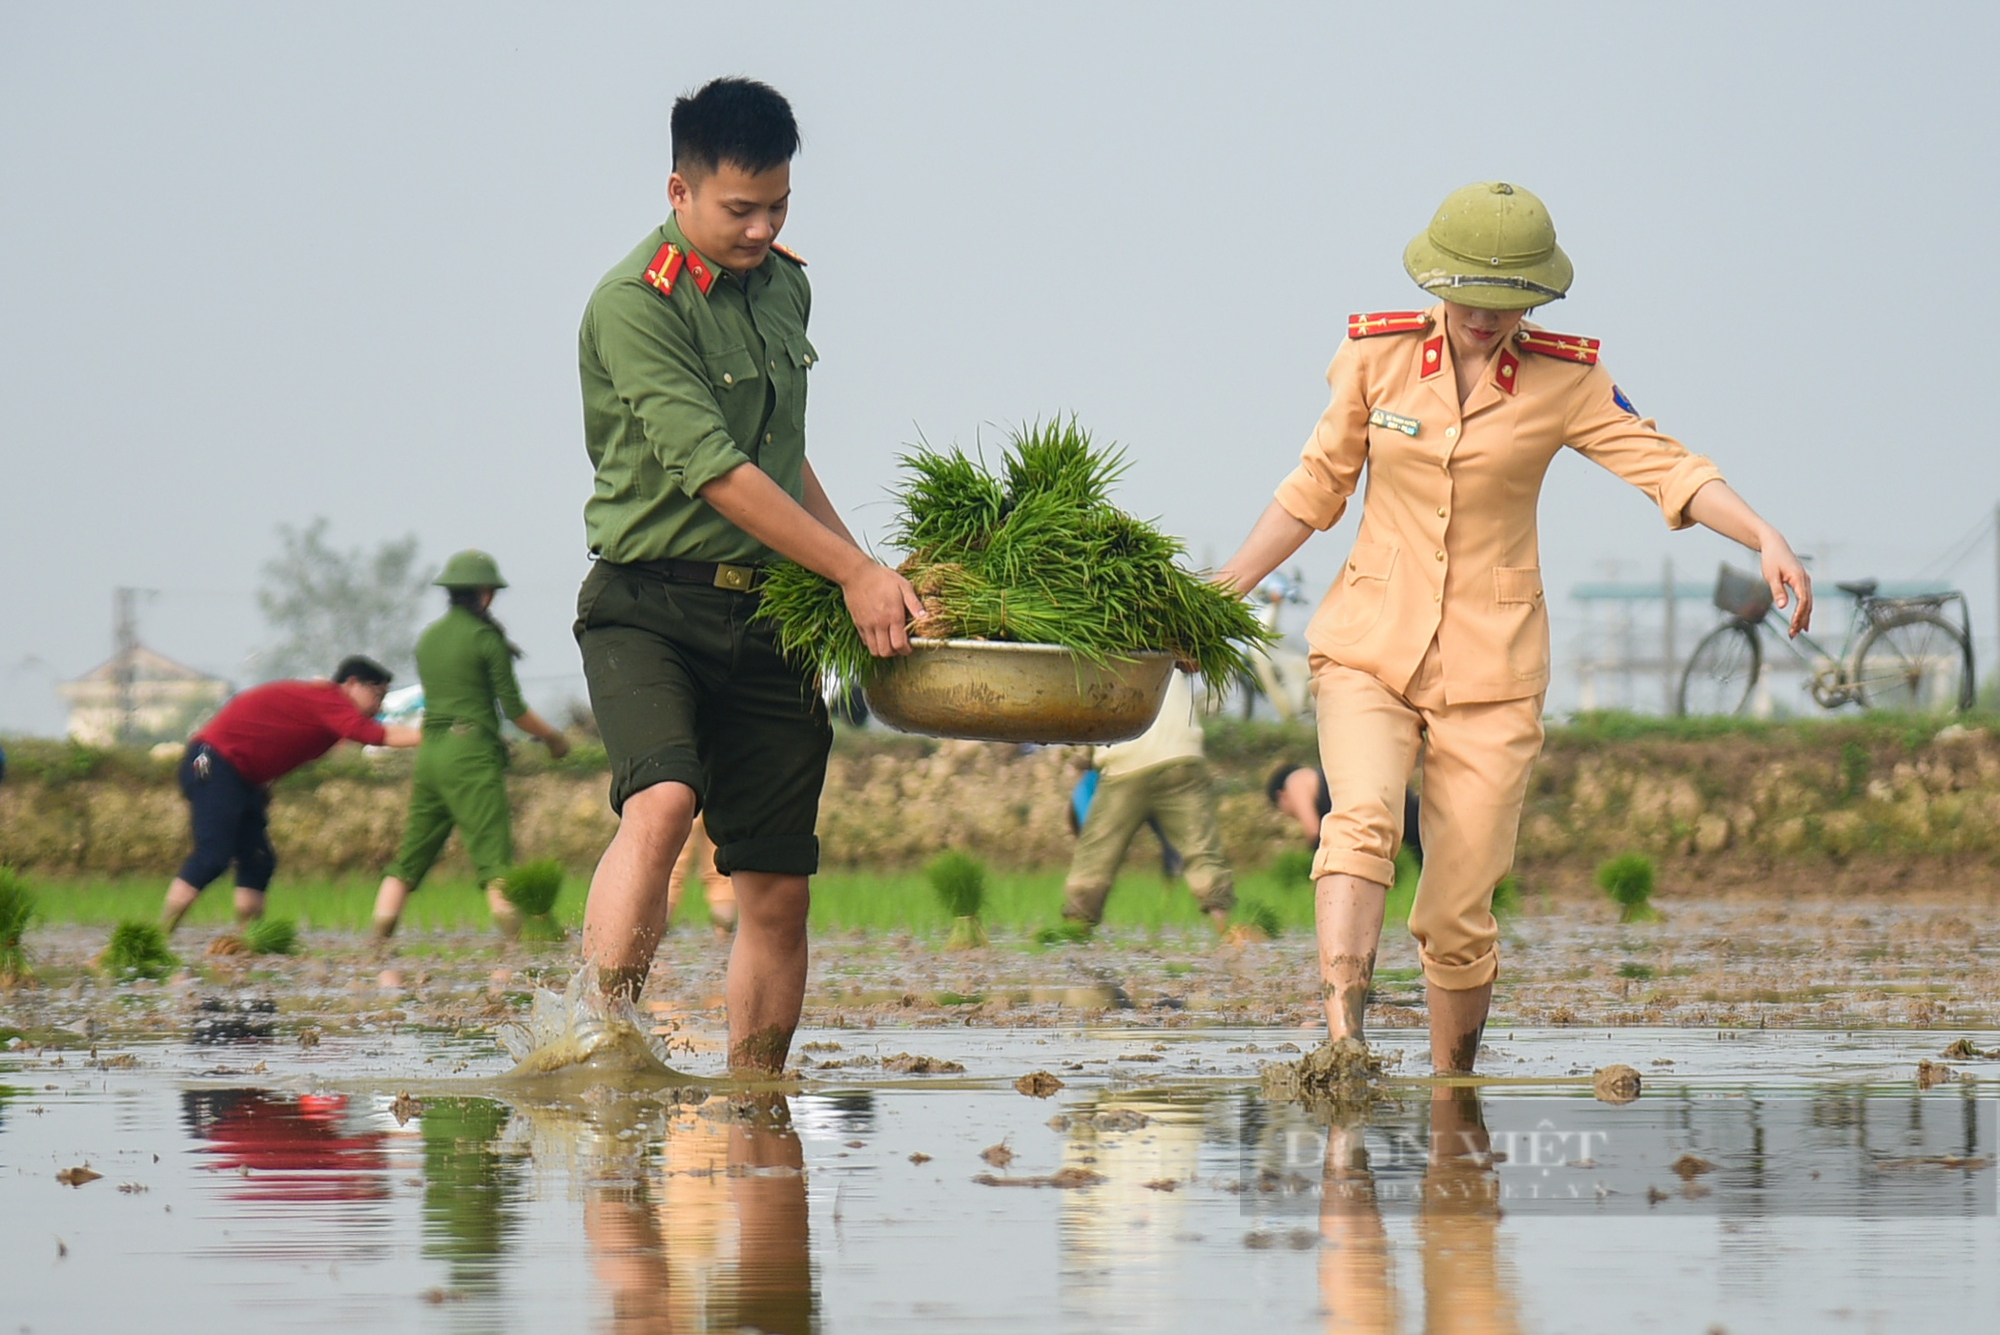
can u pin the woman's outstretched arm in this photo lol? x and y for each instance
(1717, 507)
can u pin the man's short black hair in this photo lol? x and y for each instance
(354, 667)
(1276, 783)
(738, 121)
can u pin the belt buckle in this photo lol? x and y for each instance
(737, 578)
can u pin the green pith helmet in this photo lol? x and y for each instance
(471, 569)
(1491, 245)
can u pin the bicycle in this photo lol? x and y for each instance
(1901, 653)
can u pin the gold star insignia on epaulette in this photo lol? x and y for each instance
(1567, 347)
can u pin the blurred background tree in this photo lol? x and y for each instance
(323, 604)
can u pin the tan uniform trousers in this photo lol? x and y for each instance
(1181, 794)
(1477, 758)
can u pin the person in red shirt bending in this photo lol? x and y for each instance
(254, 740)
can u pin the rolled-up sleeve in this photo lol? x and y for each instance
(1316, 492)
(1613, 437)
(655, 369)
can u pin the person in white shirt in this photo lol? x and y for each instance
(1161, 774)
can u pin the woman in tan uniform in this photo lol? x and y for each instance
(1435, 634)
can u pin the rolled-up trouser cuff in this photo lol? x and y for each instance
(777, 854)
(1219, 893)
(669, 764)
(1461, 977)
(1345, 862)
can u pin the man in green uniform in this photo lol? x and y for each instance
(694, 360)
(466, 664)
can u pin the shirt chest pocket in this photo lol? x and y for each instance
(731, 370)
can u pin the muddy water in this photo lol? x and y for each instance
(1762, 1181)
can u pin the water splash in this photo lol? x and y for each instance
(581, 1032)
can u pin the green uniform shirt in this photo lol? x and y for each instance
(464, 665)
(680, 388)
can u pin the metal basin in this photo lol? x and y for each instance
(994, 691)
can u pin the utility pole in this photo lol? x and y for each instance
(125, 659)
(1669, 678)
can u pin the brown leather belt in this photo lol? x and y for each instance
(715, 574)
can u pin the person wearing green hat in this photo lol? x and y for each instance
(466, 664)
(1435, 636)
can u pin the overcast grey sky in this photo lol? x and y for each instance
(265, 262)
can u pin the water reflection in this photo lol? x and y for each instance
(303, 1148)
(471, 1190)
(695, 1215)
(1468, 1285)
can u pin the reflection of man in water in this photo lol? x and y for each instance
(1458, 1227)
(287, 1148)
(725, 1246)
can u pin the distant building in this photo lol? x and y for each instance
(140, 696)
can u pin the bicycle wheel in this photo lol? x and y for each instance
(1724, 668)
(1914, 663)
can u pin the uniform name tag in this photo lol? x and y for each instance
(1407, 425)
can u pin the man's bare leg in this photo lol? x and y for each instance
(767, 970)
(1458, 1018)
(1348, 912)
(627, 908)
(249, 905)
(389, 903)
(180, 898)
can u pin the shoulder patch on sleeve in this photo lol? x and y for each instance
(1387, 322)
(664, 268)
(791, 255)
(1618, 397)
(1567, 347)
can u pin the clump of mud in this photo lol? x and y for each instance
(1341, 1072)
(581, 1032)
(1616, 1084)
(1038, 1084)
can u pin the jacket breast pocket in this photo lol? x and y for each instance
(1363, 593)
(731, 369)
(1522, 621)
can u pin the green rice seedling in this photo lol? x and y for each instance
(533, 887)
(1068, 932)
(138, 950)
(1507, 897)
(1291, 870)
(271, 936)
(1035, 555)
(1628, 879)
(1255, 913)
(960, 882)
(17, 910)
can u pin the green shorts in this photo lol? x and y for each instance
(687, 690)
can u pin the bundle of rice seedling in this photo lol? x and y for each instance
(138, 950)
(271, 936)
(1035, 555)
(960, 882)
(17, 910)
(1257, 918)
(1628, 879)
(533, 887)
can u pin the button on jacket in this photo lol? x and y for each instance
(1447, 548)
(685, 379)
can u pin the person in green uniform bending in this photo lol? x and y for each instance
(694, 360)
(466, 664)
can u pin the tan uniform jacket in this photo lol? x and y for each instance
(1448, 547)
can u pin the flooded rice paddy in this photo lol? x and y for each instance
(237, 1177)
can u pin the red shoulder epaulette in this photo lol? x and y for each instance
(1569, 347)
(664, 268)
(1386, 322)
(791, 255)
